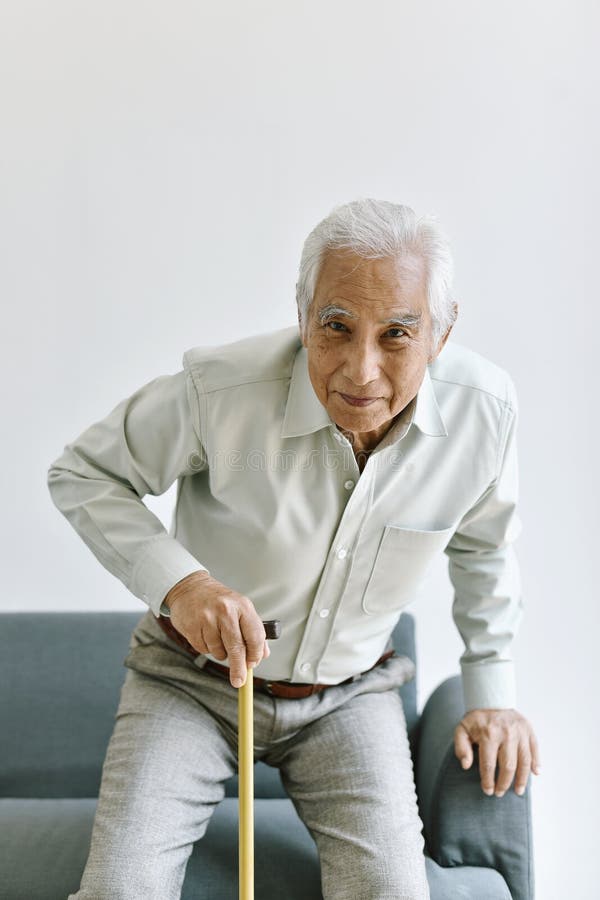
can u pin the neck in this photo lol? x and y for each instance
(366, 441)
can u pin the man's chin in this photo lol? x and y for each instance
(356, 418)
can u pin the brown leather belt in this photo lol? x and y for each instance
(289, 690)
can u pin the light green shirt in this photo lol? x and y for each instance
(271, 501)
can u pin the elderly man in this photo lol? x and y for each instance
(320, 469)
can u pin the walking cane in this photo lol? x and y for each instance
(246, 774)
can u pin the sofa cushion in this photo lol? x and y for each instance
(45, 844)
(61, 676)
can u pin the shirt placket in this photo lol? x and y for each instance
(321, 620)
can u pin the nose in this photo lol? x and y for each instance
(362, 363)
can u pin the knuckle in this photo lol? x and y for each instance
(490, 731)
(222, 606)
(228, 617)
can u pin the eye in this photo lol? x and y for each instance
(402, 332)
(333, 324)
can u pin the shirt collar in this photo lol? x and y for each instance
(305, 414)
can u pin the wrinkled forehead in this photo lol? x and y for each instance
(401, 273)
(386, 286)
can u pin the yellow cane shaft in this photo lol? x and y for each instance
(246, 787)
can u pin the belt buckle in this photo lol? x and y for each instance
(267, 687)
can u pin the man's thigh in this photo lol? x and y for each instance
(162, 777)
(350, 775)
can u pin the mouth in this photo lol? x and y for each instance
(357, 401)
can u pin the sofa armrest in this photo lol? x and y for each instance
(462, 825)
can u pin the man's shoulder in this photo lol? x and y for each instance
(466, 369)
(260, 357)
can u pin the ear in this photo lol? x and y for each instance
(445, 337)
(300, 327)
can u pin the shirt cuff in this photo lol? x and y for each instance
(490, 685)
(163, 563)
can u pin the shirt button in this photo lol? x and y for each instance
(348, 485)
(342, 553)
(305, 667)
(324, 613)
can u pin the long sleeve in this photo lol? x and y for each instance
(145, 443)
(484, 571)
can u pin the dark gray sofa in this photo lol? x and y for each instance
(60, 678)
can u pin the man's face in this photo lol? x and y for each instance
(353, 352)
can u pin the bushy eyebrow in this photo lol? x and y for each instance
(409, 320)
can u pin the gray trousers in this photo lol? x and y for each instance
(343, 755)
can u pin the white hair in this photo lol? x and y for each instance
(378, 229)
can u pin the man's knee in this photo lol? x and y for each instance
(148, 875)
(376, 876)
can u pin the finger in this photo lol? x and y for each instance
(213, 642)
(266, 651)
(523, 768)
(216, 649)
(462, 746)
(535, 754)
(200, 643)
(253, 634)
(236, 652)
(507, 759)
(488, 755)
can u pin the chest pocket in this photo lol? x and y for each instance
(402, 559)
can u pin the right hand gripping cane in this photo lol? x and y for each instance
(246, 774)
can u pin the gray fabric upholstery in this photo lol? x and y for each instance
(60, 679)
(45, 845)
(462, 826)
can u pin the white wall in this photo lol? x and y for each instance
(162, 165)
